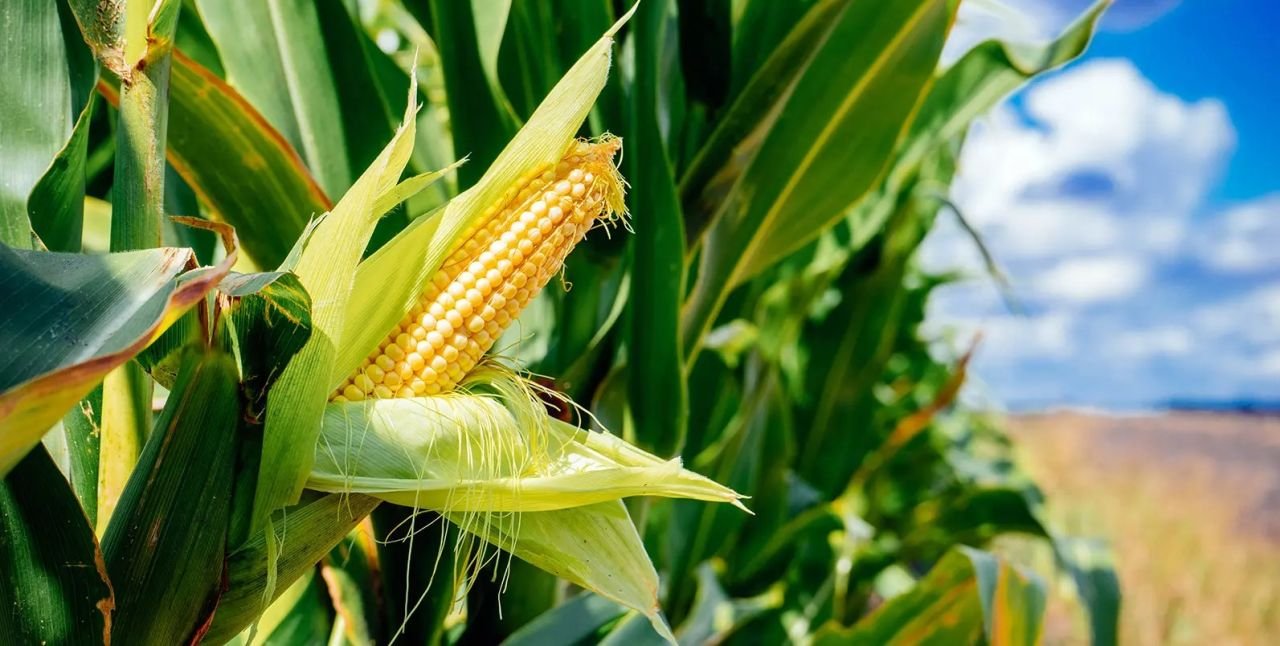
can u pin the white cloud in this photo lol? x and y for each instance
(1252, 319)
(1092, 280)
(1037, 20)
(1048, 335)
(1243, 239)
(1268, 365)
(1010, 336)
(1144, 343)
(1094, 160)
(1092, 192)
(1097, 158)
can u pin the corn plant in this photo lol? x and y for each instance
(605, 268)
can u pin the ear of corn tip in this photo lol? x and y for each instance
(503, 260)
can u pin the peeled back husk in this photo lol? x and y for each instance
(491, 460)
(470, 452)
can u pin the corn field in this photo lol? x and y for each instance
(499, 321)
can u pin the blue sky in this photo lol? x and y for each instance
(1133, 199)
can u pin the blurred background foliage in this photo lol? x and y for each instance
(786, 158)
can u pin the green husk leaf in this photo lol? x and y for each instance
(325, 268)
(490, 460)
(411, 187)
(596, 547)
(258, 572)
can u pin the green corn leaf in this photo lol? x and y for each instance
(716, 615)
(480, 116)
(299, 616)
(274, 53)
(418, 557)
(351, 612)
(657, 388)
(56, 205)
(111, 306)
(853, 106)
(48, 77)
(238, 165)
(519, 58)
(53, 584)
(980, 79)
(748, 457)
(83, 428)
(352, 574)
(577, 620)
(373, 89)
(166, 540)
(633, 630)
(501, 602)
(1091, 566)
(194, 39)
(736, 140)
(967, 596)
(760, 28)
(860, 333)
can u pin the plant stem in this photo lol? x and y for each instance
(137, 198)
(137, 216)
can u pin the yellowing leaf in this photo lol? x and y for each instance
(99, 311)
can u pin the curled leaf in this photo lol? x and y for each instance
(97, 312)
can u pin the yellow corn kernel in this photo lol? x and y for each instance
(502, 261)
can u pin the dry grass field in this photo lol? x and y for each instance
(1191, 504)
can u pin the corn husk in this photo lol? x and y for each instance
(487, 456)
(491, 460)
(487, 448)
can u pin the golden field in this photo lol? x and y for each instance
(1191, 505)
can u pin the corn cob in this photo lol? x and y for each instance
(503, 261)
